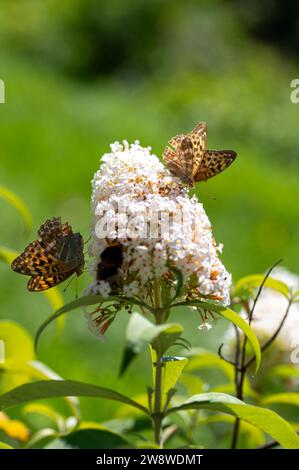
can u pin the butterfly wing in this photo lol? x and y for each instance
(178, 157)
(198, 137)
(33, 261)
(53, 236)
(40, 283)
(184, 153)
(213, 162)
(53, 257)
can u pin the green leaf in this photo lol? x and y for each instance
(40, 438)
(146, 445)
(193, 383)
(61, 388)
(90, 439)
(254, 281)
(199, 303)
(200, 358)
(171, 371)
(234, 318)
(256, 436)
(18, 204)
(18, 347)
(125, 411)
(247, 330)
(3, 445)
(282, 398)
(84, 302)
(7, 255)
(284, 371)
(45, 410)
(180, 282)
(53, 295)
(56, 301)
(37, 370)
(264, 419)
(231, 389)
(141, 332)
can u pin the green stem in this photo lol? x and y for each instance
(158, 414)
(157, 297)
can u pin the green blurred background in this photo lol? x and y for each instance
(80, 74)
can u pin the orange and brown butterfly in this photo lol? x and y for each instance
(187, 158)
(53, 257)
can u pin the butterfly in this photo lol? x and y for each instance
(53, 257)
(187, 158)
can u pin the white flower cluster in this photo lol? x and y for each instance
(140, 207)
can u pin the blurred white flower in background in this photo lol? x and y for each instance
(144, 224)
(268, 315)
(270, 310)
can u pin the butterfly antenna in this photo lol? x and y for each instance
(76, 287)
(87, 240)
(69, 283)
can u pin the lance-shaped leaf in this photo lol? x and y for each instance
(284, 371)
(141, 332)
(46, 411)
(282, 398)
(200, 358)
(254, 281)
(254, 436)
(229, 314)
(180, 282)
(247, 330)
(18, 347)
(36, 370)
(90, 438)
(85, 301)
(264, 419)
(61, 388)
(3, 445)
(171, 371)
(16, 202)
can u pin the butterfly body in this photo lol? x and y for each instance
(53, 257)
(72, 255)
(187, 158)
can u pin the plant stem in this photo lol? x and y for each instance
(158, 414)
(240, 361)
(238, 391)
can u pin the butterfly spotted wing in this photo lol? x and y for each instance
(53, 257)
(39, 283)
(187, 158)
(213, 162)
(184, 153)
